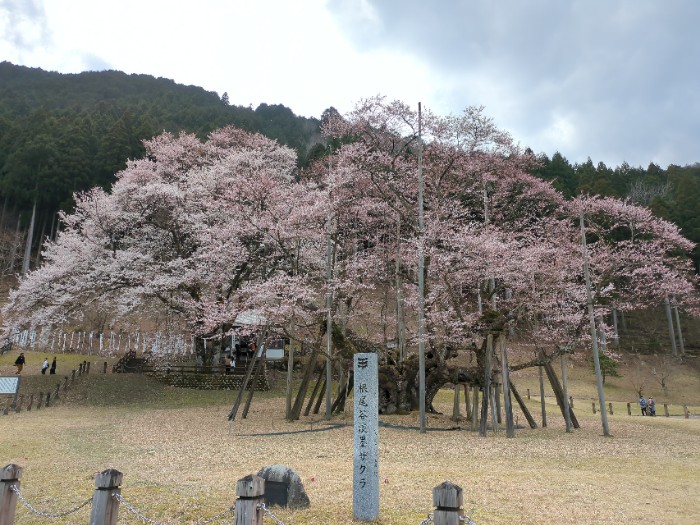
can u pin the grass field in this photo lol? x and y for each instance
(181, 457)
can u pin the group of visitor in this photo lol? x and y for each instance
(648, 407)
(20, 361)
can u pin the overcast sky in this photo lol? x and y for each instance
(614, 80)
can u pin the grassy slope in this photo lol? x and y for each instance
(181, 457)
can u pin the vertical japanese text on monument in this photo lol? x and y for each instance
(366, 438)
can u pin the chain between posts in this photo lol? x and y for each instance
(429, 519)
(148, 520)
(270, 513)
(48, 514)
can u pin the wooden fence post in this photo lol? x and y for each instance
(251, 492)
(686, 412)
(528, 393)
(571, 401)
(40, 401)
(447, 499)
(47, 402)
(593, 405)
(58, 387)
(65, 383)
(104, 368)
(629, 409)
(666, 410)
(105, 506)
(455, 406)
(8, 406)
(610, 409)
(31, 402)
(20, 402)
(87, 367)
(9, 478)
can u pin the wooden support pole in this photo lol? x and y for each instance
(303, 387)
(47, 402)
(523, 407)
(610, 409)
(487, 386)
(505, 377)
(629, 409)
(571, 401)
(31, 402)
(492, 406)
(447, 499)
(560, 395)
(316, 391)
(9, 479)
(455, 404)
(87, 367)
(497, 399)
(290, 372)
(20, 402)
(339, 404)
(467, 408)
(105, 506)
(528, 394)
(319, 400)
(65, 383)
(58, 387)
(239, 398)
(256, 376)
(104, 367)
(666, 410)
(251, 493)
(565, 392)
(475, 408)
(542, 405)
(40, 401)
(593, 405)
(686, 412)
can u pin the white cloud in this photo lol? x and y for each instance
(613, 81)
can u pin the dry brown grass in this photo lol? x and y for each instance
(181, 458)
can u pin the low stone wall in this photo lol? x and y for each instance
(208, 381)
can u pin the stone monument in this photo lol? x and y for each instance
(365, 494)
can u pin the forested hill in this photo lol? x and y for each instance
(61, 133)
(65, 132)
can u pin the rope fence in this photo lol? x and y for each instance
(250, 507)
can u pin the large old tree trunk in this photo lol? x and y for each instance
(398, 381)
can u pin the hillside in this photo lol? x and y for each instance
(61, 133)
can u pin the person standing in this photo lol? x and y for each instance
(53, 366)
(651, 406)
(643, 405)
(19, 363)
(45, 366)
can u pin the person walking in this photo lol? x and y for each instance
(651, 406)
(643, 405)
(53, 366)
(19, 363)
(45, 366)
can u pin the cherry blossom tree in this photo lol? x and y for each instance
(493, 234)
(206, 229)
(209, 229)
